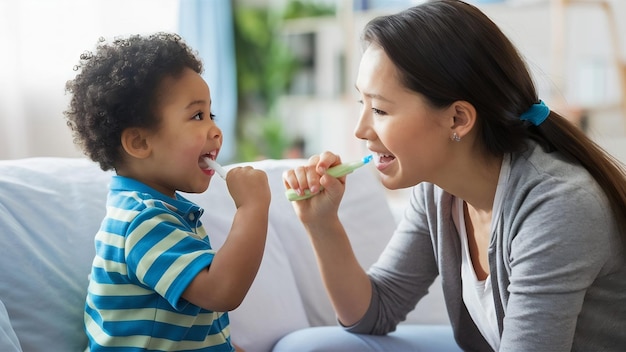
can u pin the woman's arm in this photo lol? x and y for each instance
(346, 282)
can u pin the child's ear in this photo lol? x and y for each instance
(464, 118)
(135, 142)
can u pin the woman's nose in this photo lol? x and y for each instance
(362, 127)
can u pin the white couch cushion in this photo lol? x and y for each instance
(272, 308)
(8, 339)
(50, 210)
(368, 222)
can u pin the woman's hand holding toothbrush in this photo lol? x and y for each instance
(317, 188)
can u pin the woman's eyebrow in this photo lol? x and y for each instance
(373, 95)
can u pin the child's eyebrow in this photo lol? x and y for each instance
(196, 102)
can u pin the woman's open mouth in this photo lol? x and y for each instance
(382, 161)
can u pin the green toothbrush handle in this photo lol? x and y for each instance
(335, 171)
(293, 196)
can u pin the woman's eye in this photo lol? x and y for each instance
(212, 116)
(378, 112)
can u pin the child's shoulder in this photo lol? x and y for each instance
(137, 200)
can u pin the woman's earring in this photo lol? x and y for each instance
(455, 137)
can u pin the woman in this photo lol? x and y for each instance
(521, 214)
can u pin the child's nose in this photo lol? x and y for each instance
(215, 133)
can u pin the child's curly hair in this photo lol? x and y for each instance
(117, 88)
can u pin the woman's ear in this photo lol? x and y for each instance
(464, 118)
(135, 142)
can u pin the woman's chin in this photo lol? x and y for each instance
(389, 183)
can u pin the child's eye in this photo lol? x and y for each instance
(200, 116)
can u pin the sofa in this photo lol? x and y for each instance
(51, 208)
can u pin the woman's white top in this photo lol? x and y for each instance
(478, 294)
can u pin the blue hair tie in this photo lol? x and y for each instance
(536, 114)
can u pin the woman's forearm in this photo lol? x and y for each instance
(346, 282)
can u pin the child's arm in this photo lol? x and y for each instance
(223, 286)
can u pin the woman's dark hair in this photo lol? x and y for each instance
(449, 50)
(117, 88)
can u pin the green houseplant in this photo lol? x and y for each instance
(265, 68)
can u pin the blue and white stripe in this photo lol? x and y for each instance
(148, 249)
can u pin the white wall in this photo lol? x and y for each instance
(587, 77)
(40, 42)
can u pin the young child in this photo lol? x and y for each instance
(140, 107)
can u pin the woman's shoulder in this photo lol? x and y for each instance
(547, 184)
(536, 167)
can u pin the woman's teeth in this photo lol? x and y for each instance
(385, 158)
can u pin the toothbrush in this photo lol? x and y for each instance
(335, 171)
(217, 167)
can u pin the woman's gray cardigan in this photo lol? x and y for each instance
(557, 263)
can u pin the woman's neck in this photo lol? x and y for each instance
(475, 181)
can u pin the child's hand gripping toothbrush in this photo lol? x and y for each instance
(335, 171)
(217, 167)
